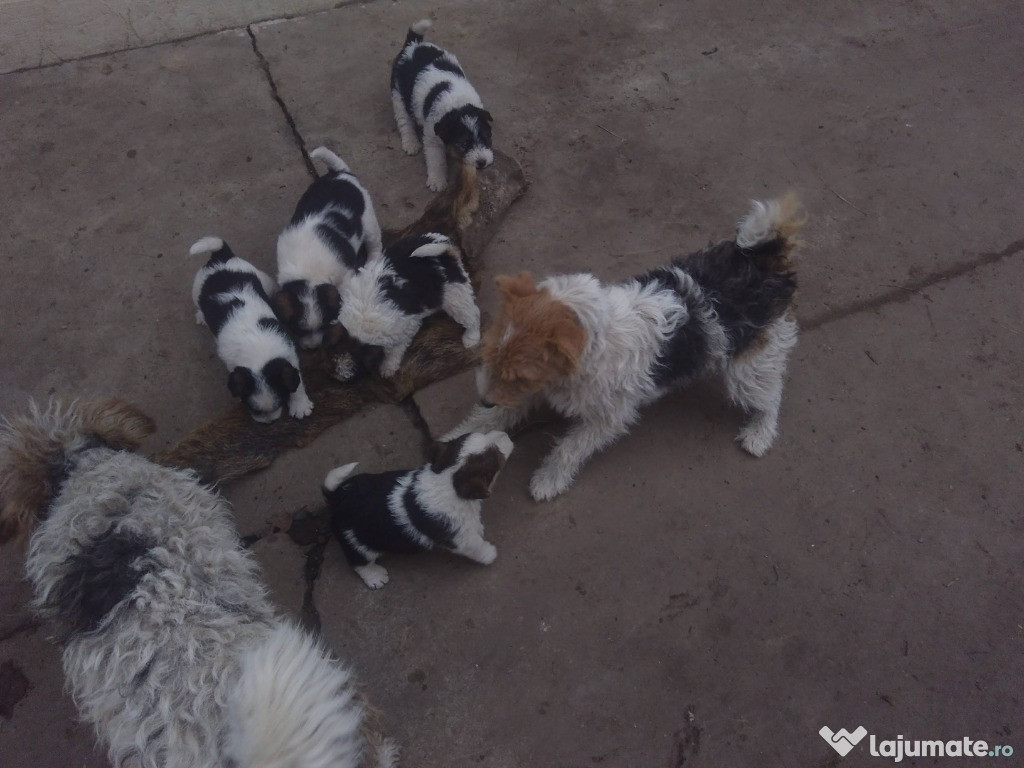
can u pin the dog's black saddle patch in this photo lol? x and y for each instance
(98, 577)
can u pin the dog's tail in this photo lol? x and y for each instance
(337, 476)
(328, 158)
(769, 232)
(35, 447)
(416, 31)
(219, 251)
(294, 704)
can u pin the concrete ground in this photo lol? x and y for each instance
(683, 603)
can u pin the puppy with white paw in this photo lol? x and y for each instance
(416, 510)
(231, 297)
(436, 107)
(333, 232)
(386, 302)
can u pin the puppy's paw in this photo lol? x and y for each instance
(389, 368)
(435, 184)
(300, 406)
(755, 442)
(546, 484)
(471, 338)
(487, 553)
(373, 575)
(411, 146)
(200, 320)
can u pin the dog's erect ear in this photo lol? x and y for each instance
(32, 446)
(282, 375)
(516, 287)
(287, 305)
(241, 382)
(567, 342)
(444, 455)
(486, 115)
(329, 299)
(473, 480)
(447, 128)
(120, 425)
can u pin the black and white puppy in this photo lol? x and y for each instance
(435, 104)
(415, 510)
(386, 302)
(231, 297)
(333, 232)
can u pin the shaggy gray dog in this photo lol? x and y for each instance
(171, 646)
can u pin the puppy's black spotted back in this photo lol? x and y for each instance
(216, 310)
(335, 197)
(418, 283)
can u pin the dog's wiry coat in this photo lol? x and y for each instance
(599, 353)
(171, 647)
(415, 510)
(436, 107)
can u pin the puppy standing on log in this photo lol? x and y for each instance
(332, 234)
(387, 301)
(416, 510)
(231, 297)
(171, 647)
(435, 104)
(598, 353)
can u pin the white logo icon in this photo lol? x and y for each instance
(843, 741)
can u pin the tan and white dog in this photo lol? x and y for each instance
(597, 353)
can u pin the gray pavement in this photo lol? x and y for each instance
(682, 604)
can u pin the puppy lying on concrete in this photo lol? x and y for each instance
(171, 648)
(416, 510)
(598, 353)
(434, 103)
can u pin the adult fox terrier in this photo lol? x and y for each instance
(597, 353)
(171, 647)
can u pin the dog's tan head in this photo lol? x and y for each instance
(535, 341)
(33, 448)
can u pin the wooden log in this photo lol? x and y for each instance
(470, 212)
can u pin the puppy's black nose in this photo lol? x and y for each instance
(481, 163)
(486, 403)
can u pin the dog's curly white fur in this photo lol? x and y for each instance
(171, 647)
(598, 353)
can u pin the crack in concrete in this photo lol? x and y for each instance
(296, 136)
(309, 614)
(25, 627)
(183, 39)
(412, 410)
(901, 293)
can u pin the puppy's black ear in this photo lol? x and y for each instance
(486, 115)
(447, 128)
(444, 455)
(286, 304)
(241, 382)
(329, 299)
(473, 480)
(282, 375)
